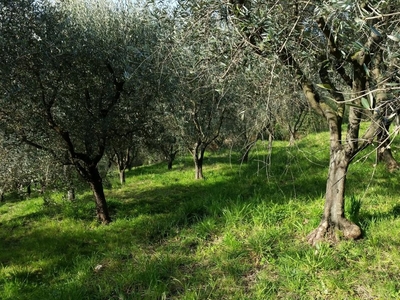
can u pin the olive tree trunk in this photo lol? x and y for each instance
(333, 215)
(92, 176)
(171, 157)
(96, 184)
(122, 179)
(198, 158)
(341, 155)
(384, 152)
(198, 164)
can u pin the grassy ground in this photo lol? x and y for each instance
(239, 234)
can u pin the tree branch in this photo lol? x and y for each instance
(334, 50)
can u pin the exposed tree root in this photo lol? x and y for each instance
(326, 232)
(318, 234)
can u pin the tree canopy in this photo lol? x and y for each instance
(74, 76)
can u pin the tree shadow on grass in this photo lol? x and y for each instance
(160, 167)
(129, 249)
(366, 219)
(13, 197)
(60, 261)
(144, 219)
(160, 211)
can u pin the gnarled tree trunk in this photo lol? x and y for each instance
(369, 78)
(341, 154)
(333, 216)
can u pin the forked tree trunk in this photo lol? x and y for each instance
(341, 153)
(123, 160)
(198, 165)
(198, 157)
(333, 216)
(292, 137)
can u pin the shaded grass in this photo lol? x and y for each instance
(239, 234)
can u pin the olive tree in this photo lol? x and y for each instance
(341, 55)
(68, 71)
(199, 58)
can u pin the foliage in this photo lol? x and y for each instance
(75, 79)
(201, 96)
(320, 44)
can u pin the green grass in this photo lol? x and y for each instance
(239, 234)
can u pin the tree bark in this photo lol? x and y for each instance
(340, 155)
(333, 216)
(294, 129)
(198, 157)
(384, 152)
(71, 194)
(170, 161)
(171, 158)
(101, 204)
(198, 163)
(292, 138)
(122, 179)
(385, 155)
(92, 176)
(123, 159)
(28, 190)
(341, 151)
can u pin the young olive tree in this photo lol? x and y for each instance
(199, 55)
(67, 72)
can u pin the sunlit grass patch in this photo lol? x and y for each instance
(239, 234)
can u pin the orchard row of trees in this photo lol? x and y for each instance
(344, 57)
(86, 81)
